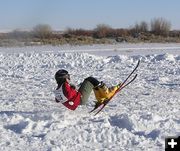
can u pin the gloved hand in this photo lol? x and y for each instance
(57, 101)
(79, 84)
(73, 86)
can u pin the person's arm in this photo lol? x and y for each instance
(73, 86)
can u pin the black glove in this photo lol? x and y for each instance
(57, 101)
(79, 84)
(73, 86)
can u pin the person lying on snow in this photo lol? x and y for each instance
(72, 98)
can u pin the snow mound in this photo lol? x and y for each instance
(165, 57)
(121, 121)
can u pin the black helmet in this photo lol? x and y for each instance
(61, 75)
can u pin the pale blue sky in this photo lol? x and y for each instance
(60, 14)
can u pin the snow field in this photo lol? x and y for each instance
(138, 118)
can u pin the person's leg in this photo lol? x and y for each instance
(86, 88)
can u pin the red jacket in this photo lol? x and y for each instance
(68, 96)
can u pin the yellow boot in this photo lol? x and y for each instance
(102, 92)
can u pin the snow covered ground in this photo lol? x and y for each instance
(138, 118)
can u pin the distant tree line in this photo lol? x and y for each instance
(158, 27)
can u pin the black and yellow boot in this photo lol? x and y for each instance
(102, 92)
